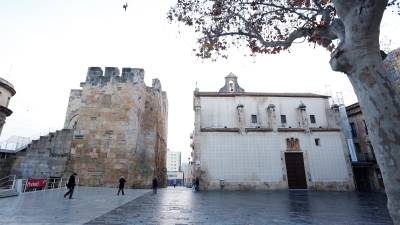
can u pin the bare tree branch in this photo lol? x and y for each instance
(265, 26)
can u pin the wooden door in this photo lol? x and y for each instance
(295, 171)
(362, 178)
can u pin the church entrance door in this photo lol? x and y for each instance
(295, 170)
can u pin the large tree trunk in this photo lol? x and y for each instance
(358, 56)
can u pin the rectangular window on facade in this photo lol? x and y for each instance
(371, 152)
(353, 130)
(317, 141)
(357, 147)
(365, 127)
(312, 118)
(283, 119)
(254, 118)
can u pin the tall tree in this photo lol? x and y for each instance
(348, 28)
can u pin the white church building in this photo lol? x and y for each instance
(264, 141)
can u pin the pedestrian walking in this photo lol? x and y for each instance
(155, 185)
(121, 185)
(71, 186)
(174, 183)
(193, 185)
(197, 184)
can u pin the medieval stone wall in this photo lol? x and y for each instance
(119, 128)
(45, 157)
(6, 164)
(114, 126)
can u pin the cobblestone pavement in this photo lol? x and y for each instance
(50, 207)
(181, 206)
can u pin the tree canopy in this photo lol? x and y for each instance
(264, 26)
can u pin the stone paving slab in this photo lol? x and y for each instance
(50, 207)
(181, 206)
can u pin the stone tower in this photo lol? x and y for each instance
(120, 128)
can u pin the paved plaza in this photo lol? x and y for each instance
(96, 206)
(50, 207)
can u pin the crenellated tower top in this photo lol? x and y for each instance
(96, 76)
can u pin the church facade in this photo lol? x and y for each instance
(265, 141)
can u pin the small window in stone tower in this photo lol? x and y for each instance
(254, 118)
(312, 118)
(317, 141)
(106, 100)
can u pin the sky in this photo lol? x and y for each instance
(46, 47)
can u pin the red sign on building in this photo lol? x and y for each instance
(36, 183)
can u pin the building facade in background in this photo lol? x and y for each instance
(251, 140)
(187, 174)
(366, 171)
(6, 92)
(173, 161)
(115, 126)
(367, 174)
(174, 172)
(392, 66)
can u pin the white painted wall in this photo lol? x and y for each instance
(236, 157)
(221, 111)
(258, 157)
(327, 161)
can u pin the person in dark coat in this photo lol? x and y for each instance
(121, 185)
(70, 185)
(193, 185)
(197, 183)
(155, 185)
